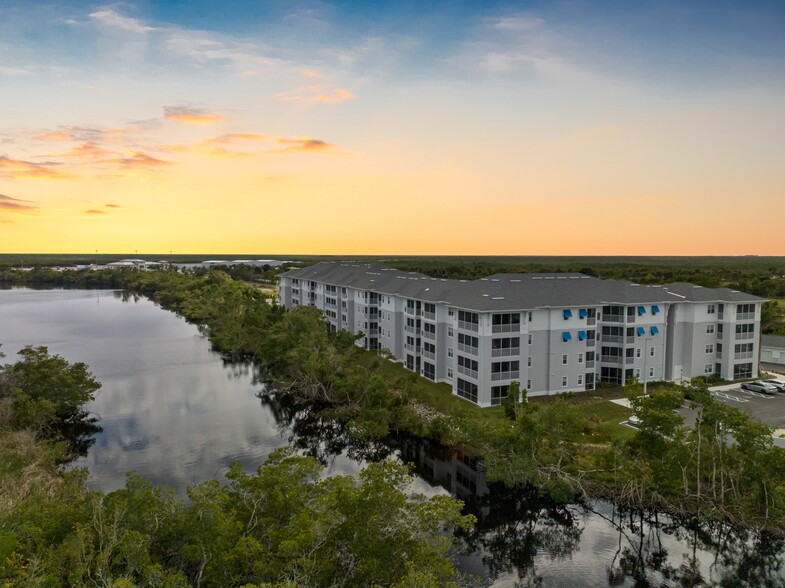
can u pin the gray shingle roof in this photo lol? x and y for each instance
(510, 291)
(693, 293)
(772, 341)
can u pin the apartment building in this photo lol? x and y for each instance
(550, 332)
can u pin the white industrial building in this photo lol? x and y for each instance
(550, 332)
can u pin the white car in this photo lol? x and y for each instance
(777, 384)
(759, 386)
(634, 421)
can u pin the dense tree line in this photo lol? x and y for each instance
(285, 525)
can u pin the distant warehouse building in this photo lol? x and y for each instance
(550, 332)
(772, 353)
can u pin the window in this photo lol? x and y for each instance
(528, 385)
(449, 373)
(564, 359)
(530, 338)
(429, 370)
(567, 314)
(428, 327)
(580, 359)
(583, 312)
(709, 348)
(708, 368)
(566, 336)
(467, 390)
(499, 392)
(529, 363)
(710, 309)
(506, 323)
(504, 370)
(709, 329)
(580, 379)
(449, 352)
(564, 381)
(641, 331)
(449, 331)
(450, 312)
(468, 343)
(651, 372)
(641, 310)
(468, 364)
(638, 373)
(651, 351)
(428, 307)
(655, 309)
(468, 321)
(505, 346)
(637, 352)
(530, 317)
(742, 370)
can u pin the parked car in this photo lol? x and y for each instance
(759, 386)
(780, 386)
(634, 421)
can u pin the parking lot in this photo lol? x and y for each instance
(768, 408)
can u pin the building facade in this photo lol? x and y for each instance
(550, 332)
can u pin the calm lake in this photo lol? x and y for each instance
(174, 412)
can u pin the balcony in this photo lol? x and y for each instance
(629, 360)
(429, 335)
(590, 364)
(431, 316)
(718, 355)
(719, 334)
(506, 328)
(612, 339)
(411, 329)
(613, 318)
(412, 348)
(743, 336)
(630, 340)
(590, 342)
(468, 349)
(467, 372)
(592, 320)
(506, 352)
(373, 332)
(468, 326)
(745, 316)
(496, 376)
(428, 354)
(412, 311)
(614, 359)
(743, 355)
(631, 318)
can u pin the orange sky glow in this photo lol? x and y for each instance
(518, 138)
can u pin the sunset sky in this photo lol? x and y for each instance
(509, 128)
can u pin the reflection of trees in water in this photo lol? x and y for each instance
(738, 557)
(79, 433)
(312, 431)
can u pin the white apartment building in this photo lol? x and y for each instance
(550, 332)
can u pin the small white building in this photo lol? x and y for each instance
(772, 353)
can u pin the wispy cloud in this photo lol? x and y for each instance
(15, 204)
(87, 150)
(19, 168)
(112, 205)
(138, 159)
(518, 23)
(15, 71)
(316, 95)
(287, 143)
(54, 136)
(191, 115)
(94, 211)
(109, 17)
